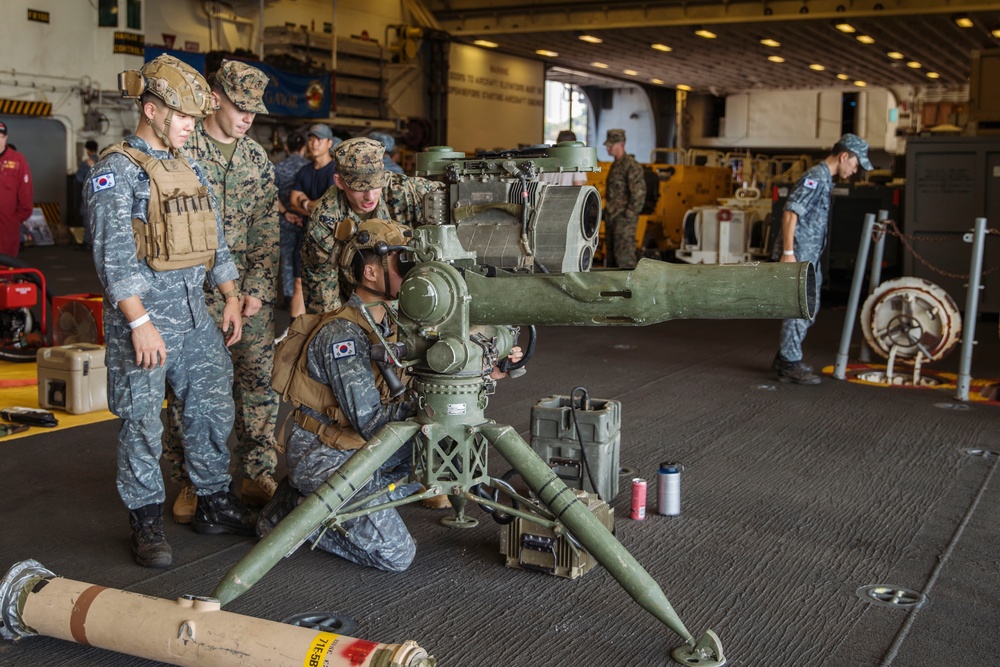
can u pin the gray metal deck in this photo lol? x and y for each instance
(793, 498)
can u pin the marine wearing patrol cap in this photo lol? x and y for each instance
(859, 147)
(243, 84)
(359, 163)
(615, 137)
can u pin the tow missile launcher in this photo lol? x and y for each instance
(500, 249)
(510, 218)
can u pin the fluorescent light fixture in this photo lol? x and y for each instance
(770, 42)
(630, 72)
(661, 47)
(844, 27)
(547, 54)
(860, 84)
(816, 67)
(591, 39)
(658, 82)
(963, 21)
(599, 65)
(707, 34)
(684, 87)
(933, 75)
(865, 39)
(895, 55)
(486, 44)
(843, 77)
(776, 59)
(913, 64)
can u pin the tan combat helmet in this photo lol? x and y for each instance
(179, 85)
(381, 236)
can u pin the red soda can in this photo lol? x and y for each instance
(638, 499)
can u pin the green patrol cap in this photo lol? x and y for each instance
(359, 163)
(243, 84)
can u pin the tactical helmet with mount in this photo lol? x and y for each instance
(180, 86)
(379, 237)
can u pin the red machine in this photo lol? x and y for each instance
(19, 337)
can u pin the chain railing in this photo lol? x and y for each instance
(892, 229)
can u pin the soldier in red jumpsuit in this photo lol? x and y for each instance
(16, 195)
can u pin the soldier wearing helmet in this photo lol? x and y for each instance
(364, 191)
(242, 179)
(156, 239)
(325, 369)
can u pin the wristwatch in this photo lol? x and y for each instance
(231, 294)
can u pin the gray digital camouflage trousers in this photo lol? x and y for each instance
(256, 402)
(200, 373)
(793, 331)
(378, 540)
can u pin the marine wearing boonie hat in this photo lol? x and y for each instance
(615, 137)
(243, 84)
(859, 147)
(359, 163)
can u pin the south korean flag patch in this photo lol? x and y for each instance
(344, 349)
(103, 182)
(811, 183)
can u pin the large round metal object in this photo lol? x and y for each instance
(913, 316)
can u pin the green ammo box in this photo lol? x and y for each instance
(554, 439)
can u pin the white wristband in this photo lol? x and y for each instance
(788, 252)
(139, 321)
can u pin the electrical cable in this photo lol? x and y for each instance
(584, 405)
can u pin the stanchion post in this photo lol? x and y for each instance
(875, 277)
(840, 367)
(971, 310)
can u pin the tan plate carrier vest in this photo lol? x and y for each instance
(291, 380)
(181, 229)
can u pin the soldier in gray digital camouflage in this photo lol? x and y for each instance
(364, 191)
(802, 237)
(341, 399)
(624, 196)
(156, 236)
(242, 179)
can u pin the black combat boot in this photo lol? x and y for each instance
(795, 372)
(222, 512)
(285, 499)
(149, 544)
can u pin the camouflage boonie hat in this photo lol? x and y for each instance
(614, 137)
(859, 147)
(359, 163)
(243, 84)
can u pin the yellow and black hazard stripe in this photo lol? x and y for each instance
(25, 108)
(51, 212)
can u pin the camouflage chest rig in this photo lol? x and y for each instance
(291, 380)
(180, 231)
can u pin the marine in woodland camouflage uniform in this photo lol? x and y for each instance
(624, 197)
(361, 182)
(245, 190)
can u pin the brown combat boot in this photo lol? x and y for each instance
(258, 492)
(186, 502)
